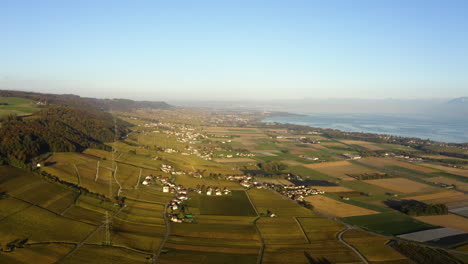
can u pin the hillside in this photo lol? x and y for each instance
(56, 129)
(71, 100)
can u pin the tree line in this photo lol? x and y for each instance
(56, 129)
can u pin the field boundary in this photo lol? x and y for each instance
(251, 203)
(73, 203)
(302, 229)
(262, 247)
(83, 242)
(166, 236)
(340, 238)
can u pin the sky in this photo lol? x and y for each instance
(236, 50)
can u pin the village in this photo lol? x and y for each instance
(178, 211)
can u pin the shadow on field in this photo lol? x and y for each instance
(308, 182)
(399, 204)
(316, 260)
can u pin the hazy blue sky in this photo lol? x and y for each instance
(236, 49)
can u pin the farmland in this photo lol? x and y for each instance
(390, 223)
(386, 162)
(341, 169)
(266, 200)
(450, 220)
(452, 199)
(374, 247)
(456, 171)
(236, 204)
(16, 105)
(281, 231)
(402, 185)
(61, 206)
(431, 234)
(337, 208)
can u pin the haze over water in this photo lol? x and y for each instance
(444, 129)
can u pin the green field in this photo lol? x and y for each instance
(39, 253)
(191, 256)
(320, 228)
(18, 106)
(374, 247)
(102, 254)
(211, 237)
(266, 200)
(236, 204)
(281, 230)
(391, 223)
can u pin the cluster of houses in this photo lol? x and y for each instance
(301, 139)
(309, 157)
(238, 154)
(184, 134)
(299, 192)
(214, 191)
(244, 181)
(207, 155)
(294, 192)
(245, 154)
(352, 156)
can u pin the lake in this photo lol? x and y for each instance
(437, 128)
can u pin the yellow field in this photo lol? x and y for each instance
(333, 144)
(217, 249)
(402, 185)
(273, 180)
(367, 145)
(433, 196)
(384, 162)
(441, 157)
(319, 229)
(452, 199)
(450, 220)
(337, 208)
(267, 200)
(280, 230)
(97, 254)
(373, 247)
(461, 172)
(234, 160)
(292, 162)
(460, 185)
(46, 253)
(192, 182)
(333, 188)
(332, 250)
(340, 169)
(267, 151)
(328, 164)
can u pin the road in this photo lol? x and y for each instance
(340, 238)
(262, 248)
(166, 236)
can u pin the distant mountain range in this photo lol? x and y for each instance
(457, 106)
(459, 100)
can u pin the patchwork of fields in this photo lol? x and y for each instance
(64, 220)
(402, 185)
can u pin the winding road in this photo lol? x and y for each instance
(340, 238)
